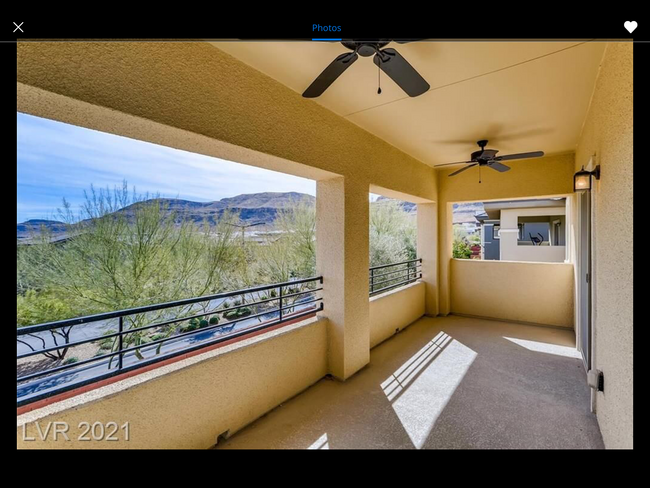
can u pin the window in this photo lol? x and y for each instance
(495, 231)
(534, 231)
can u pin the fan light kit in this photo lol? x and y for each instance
(388, 60)
(489, 158)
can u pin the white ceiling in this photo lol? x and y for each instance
(522, 96)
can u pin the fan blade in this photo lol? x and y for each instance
(498, 166)
(330, 74)
(401, 72)
(449, 164)
(536, 154)
(463, 169)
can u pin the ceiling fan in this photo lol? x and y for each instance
(388, 60)
(489, 158)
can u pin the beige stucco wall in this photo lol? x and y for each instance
(394, 310)
(427, 246)
(607, 133)
(540, 177)
(189, 403)
(540, 293)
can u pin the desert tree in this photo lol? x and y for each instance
(124, 250)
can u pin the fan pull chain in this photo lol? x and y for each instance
(479, 173)
(378, 81)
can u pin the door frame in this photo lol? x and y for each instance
(585, 253)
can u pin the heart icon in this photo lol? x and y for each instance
(630, 26)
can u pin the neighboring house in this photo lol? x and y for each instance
(525, 230)
(490, 248)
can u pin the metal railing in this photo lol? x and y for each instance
(131, 339)
(389, 276)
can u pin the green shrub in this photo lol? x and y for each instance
(214, 320)
(192, 324)
(230, 315)
(203, 323)
(34, 307)
(461, 250)
(71, 360)
(244, 312)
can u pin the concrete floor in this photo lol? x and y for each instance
(449, 382)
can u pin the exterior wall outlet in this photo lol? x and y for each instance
(596, 380)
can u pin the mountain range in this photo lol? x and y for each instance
(465, 212)
(252, 208)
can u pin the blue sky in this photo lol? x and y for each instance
(57, 160)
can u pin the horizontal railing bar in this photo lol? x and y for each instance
(248, 304)
(403, 270)
(295, 294)
(403, 278)
(415, 272)
(407, 271)
(396, 285)
(389, 283)
(159, 324)
(388, 288)
(148, 344)
(163, 357)
(149, 308)
(395, 264)
(294, 305)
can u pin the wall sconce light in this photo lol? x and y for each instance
(582, 179)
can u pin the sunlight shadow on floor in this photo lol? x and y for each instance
(419, 393)
(566, 351)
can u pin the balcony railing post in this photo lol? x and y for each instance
(372, 280)
(120, 344)
(280, 294)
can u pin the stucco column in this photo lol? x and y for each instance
(445, 241)
(508, 235)
(427, 219)
(342, 209)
